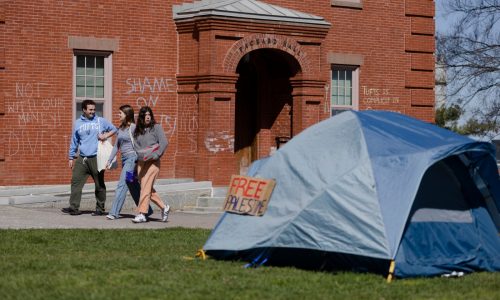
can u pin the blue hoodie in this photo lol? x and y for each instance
(85, 135)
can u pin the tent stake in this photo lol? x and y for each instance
(391, 271)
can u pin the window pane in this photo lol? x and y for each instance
(80, 81)
(90, 81)
(341, 91)
(348, 90)
(348, 100)
(89, 92)
(99, 92)
(90, 63)
(99, 81)
(78, 109)
(341, 86)
(99, 66)
(342, 75)
(334, 90)
(348, 83)
(80, 65)
(80, 91)
(99, 109)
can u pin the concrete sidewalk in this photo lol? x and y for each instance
(23, 217)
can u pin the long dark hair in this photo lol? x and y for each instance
(141, 124)
(129, 115)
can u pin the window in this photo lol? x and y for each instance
(348, 3)
(344, 88)
(92, 80)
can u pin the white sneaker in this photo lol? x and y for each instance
(111, 217)
(164, 213)
(140, 218)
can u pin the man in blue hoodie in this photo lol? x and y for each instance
(88, 131)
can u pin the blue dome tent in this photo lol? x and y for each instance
(362, 190)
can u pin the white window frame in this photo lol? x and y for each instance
(348, 3)
(108, 80)
(354, 90)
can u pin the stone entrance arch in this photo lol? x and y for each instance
(264, 41)
(223, 57)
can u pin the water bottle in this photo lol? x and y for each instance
(130, 176)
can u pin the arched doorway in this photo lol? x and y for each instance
(263, 106)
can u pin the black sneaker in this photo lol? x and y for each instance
(69, 210)
(98, 213)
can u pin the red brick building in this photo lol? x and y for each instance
(227, 79)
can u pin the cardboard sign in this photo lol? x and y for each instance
(248, 195)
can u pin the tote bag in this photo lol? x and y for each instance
(104, 149)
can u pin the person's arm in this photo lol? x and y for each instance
(113, 153)
(130, 132)
(108, 130)
(73, 147)
(162, 139)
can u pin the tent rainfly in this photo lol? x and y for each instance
(366, 190)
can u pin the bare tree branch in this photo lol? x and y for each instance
(470, 54)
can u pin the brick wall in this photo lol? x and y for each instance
(395, 39)
(37, 85)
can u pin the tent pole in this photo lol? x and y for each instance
(391, 271)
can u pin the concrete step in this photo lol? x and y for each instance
(197, 209)
(203, 201)
(12, 191)
(176, 192)
(206, 204)
(219, 191)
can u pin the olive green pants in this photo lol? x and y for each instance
(82, 169)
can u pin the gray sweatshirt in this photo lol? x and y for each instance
(122, 143)
(151, 136)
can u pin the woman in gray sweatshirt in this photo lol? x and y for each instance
(150, 143)
(128, 180)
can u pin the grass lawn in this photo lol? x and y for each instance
(151, 264)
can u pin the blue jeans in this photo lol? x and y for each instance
(128, 165)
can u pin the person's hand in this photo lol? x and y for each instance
(108, 165)
(71, 164)
(155, 156)
(102, 137)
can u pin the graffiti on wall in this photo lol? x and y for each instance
(185, 124)
(188, 121)
(33, 115)
(30, 106)
(147, 91)
(219, 141)
(378, 96)
(39, 143)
